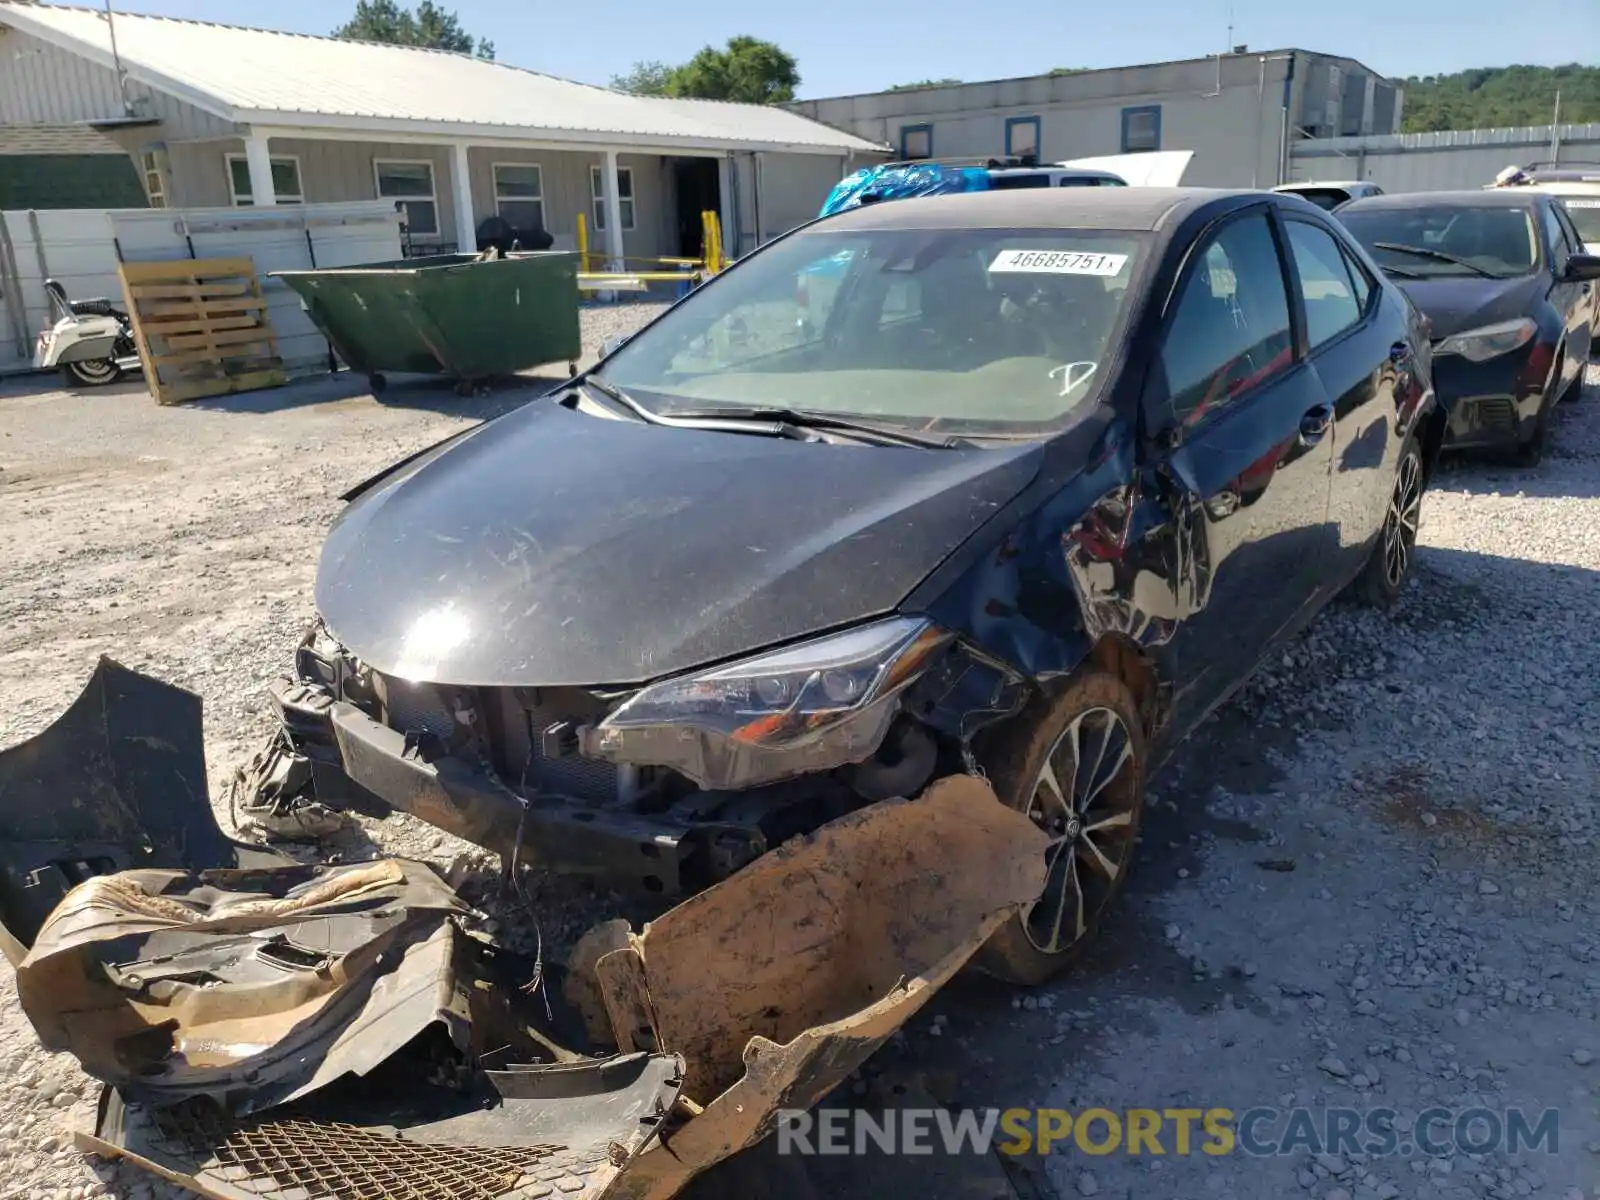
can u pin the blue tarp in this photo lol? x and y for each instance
(898, 183)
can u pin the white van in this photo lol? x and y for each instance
(1576, 184)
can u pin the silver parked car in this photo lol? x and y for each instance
(1329, 195)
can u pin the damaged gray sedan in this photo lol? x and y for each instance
(1020, 485)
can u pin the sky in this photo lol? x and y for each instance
(867, 45)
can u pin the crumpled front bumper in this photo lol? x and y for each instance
(356, 759)
(759, 994)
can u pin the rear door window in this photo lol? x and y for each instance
(1330, 298)
(1229, 326)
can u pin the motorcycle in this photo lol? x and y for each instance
(91, 340)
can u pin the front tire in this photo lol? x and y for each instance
(1389, 566)
(93, 372)
(1075, 763)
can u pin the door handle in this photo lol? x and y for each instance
(1314, 424)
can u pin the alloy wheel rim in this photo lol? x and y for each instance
(1400, 526)
(1084, 798)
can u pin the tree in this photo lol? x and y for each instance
(430, 25)
(645, 79)
(747, 69)
(924, 83)
(1489, 97)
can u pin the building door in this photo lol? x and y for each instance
(698, 190)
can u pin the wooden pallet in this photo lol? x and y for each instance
(201, 327)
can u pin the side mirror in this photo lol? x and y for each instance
(1581, 268)
(612, 344)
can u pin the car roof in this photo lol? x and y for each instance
(1131, 208)
(1323, 183)
(1477, 198)
(1075, 172)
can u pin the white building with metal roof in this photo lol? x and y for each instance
(218, 114)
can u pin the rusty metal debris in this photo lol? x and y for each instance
(270, 1031)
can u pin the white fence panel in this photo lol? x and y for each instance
(81, 249)
(1444, 161)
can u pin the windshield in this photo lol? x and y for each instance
(962, 330)
(1585, 215)
(1495, 241)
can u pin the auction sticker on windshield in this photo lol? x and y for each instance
(1059, 262)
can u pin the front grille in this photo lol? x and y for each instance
(570, 775)
(1496, 414)
(278, 1156)
(425, 708)
(417, 708)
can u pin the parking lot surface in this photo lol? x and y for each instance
(1368, 883)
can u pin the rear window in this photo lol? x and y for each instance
(1005, 183)
(1326, 199)
(1585, 214)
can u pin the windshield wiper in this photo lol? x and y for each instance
(707, 422)
(1439, 255)
(804, 418)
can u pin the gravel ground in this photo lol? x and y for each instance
(1369, 881)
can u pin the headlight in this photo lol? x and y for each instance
(1488, 341)
(807, 708)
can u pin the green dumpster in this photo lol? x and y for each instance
(451, 314)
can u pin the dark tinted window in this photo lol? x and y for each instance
(1229, 328)
(1326, 199)
(1332, 305)
(1003, 183)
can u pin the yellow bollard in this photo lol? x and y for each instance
(583, 244)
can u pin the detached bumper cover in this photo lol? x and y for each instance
(761, 993)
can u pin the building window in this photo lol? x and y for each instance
(916, 141)
(285, 180)
(519, 195)
(155, 180)
(1022, 136)
(597, 189)
(1141, 129)
(409, 183)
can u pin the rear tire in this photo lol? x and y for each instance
(93, 372)
(1075, 763)
(1389, 566)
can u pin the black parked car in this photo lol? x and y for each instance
(1051, 475)
(1509, 297)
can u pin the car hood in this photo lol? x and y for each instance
(551, 547)
(1459, 303)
